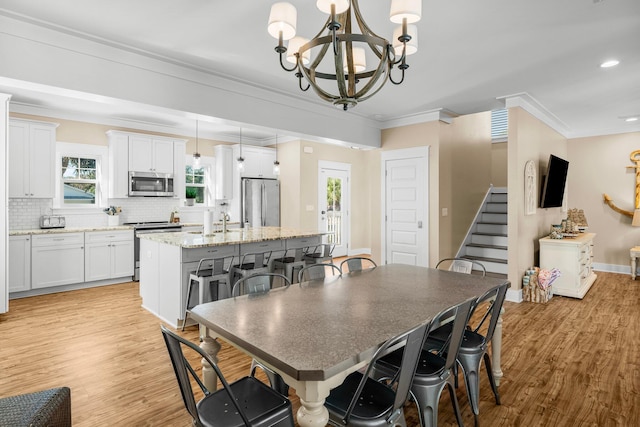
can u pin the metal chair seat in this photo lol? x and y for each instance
(319, 254)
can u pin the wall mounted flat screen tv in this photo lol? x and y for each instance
(554, 182)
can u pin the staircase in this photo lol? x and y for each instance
(486, 241)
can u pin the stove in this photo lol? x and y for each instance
(147, 228)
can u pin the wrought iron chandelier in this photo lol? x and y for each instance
(346, 64)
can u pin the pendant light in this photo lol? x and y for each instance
(240, 159)
(196, 155)
(276, 163)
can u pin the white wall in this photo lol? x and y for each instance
(4, 274)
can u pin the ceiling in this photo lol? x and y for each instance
(472, 54)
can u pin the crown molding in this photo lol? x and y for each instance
(438, 114)
(537, 110)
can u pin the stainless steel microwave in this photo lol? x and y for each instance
(150, 184)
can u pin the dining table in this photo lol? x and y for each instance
(316, 333)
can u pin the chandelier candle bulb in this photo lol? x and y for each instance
(325, 6)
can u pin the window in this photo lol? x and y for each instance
(82, 180)
(499, 125)
(79, 180)
(196, 183)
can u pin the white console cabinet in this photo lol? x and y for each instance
(574, 258)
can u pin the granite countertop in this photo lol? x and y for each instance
(231, 237)
(67, 230)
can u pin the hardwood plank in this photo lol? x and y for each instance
(566, 363)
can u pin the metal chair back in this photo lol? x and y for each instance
(257, 283)
(317, 272)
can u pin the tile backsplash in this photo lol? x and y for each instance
(24, 214)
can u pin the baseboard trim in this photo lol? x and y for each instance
(359, 251)
(612, 268)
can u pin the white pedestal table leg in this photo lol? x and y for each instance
(496, 350)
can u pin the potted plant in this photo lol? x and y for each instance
(113, 213)
(192, 193)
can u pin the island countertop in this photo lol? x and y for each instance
(231, 237)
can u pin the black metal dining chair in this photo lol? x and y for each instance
(354, 264)
(260, 283)
(317, 272)
(474, 346)
(435, 368)
(245, 402)
(364, 402)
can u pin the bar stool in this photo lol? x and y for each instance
(250, 263)
(290, 263)
(213, 271)
(321, 253)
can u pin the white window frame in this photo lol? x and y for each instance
(208, 164)
(98, 152)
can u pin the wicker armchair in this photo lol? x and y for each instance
(47, 408)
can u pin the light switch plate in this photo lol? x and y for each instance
(309, 208)
(445, 211)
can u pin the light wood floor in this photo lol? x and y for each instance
(566, 363)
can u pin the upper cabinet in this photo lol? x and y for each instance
(258, 161)
(143, 153)
(32, 149)
(150, 154)
(224, 171)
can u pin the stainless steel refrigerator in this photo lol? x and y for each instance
(260, 202)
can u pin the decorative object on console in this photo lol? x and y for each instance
(635, 215)
(348, 49)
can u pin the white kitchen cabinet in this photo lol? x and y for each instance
(118, 164)
(574, 258)
(32, 148)
(57, 259)
(225, 169)
(19, 263)
(179, 163)
(143, 153)
(258, 161)
(108, 255)
(150, 154)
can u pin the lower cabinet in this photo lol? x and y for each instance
(57, 259)
(108, 255)
(19, 263)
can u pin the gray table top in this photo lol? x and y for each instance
(316, 330)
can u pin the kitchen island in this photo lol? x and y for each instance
(166, 259)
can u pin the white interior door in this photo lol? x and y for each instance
(333, 204)
(406, 234)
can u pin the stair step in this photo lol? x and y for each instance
(493, 207)
(488, 252)
(489, 239)
(494, 218)
(490, 274)
(492, 265)
(492, 228)
(478, 245)
(498, 198)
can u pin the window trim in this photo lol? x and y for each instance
(208, 163)
(101, 154)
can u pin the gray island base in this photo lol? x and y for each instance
(166, 259)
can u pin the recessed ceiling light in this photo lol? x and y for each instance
(631, 119)
(610, 63)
